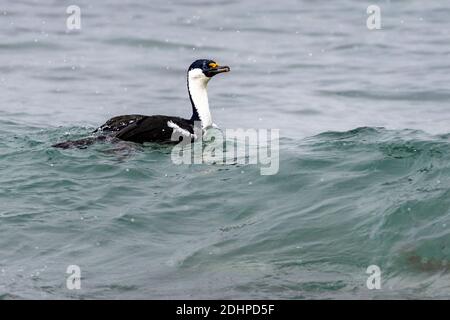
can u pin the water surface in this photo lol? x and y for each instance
(364, 151)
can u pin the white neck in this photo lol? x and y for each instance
(197, 83)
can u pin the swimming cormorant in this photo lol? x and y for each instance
(159, 128)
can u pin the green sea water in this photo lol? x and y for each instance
(364, 151)
(139, 226)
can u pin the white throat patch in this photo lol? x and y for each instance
(197, 82)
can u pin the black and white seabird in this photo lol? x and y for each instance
(160, 128)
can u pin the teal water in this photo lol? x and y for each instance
(364, 151)
(141, 227)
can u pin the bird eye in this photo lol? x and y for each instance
(213, 65)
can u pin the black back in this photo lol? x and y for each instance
(153, 129)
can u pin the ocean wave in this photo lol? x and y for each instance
(340, 202)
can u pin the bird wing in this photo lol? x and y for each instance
(154, 129)
(120, 122)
